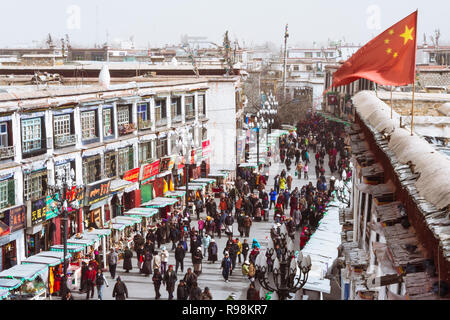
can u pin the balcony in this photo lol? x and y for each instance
(161, 122)
(177, 118)
(145, 124)
(127, 128)
(190, 114)
(65, 141)
(34, 148)
(7, 152)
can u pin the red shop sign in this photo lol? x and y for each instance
(150, 170)
(132, 175)
(17, 218)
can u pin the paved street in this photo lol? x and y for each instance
(141, 287)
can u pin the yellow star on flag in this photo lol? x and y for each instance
(389, 50)
(407, 35)
(391, 32)
(386, 41)
(395, 55)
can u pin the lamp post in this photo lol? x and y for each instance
(187, 145)
(287, 274)
(61, 197)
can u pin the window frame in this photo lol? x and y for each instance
(85, 121)
(35, 128)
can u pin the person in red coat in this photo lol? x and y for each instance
(304, 238)
(90, 281)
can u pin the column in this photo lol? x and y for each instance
(183, 111)
(114, 118)
(100, 122)
(134, 116)
(17, 137)
(196, 105)
(77, 126)
(152, 113)
(48, 119)
(366, 209)
(169, 112)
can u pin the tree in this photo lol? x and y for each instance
(290, 111)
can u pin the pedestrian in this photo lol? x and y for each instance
(67, 296)
(273, 198)
(245, 249)
(100, 281)
(305, 171)
(240, 249)
(120, 290)
(245, 266)
(182, 293)
(247, 225)
(252, 293)
(195, 292)
(90, 281)
(169, 280)
(197, 258)
(156, 261)
(112, 262)
(147, 263)
(127, 255)
(157, 279)
(190, 278)
(226, 267)
(164, 259)
(233, 251)
(84, 269)
(201, 226)
(212, 251)
(289, 181)
(206, 294)
(205, 243)
(179, 257)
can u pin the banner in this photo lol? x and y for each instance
(17, 218)
(166, 164)
(206, 148)
(150, 170)
(132, 175)
(97, 192)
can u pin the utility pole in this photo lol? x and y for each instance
(286, 36)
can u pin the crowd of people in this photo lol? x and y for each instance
(300, 209)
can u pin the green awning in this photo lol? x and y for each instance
(27, 272)
(334, 119)
(248, 165)
(204, 180)
(72, 248)
(100, 233)
(4, 294)
(141, 212)
(81, 242)
(10, 283)
(159, 202)
(175, 194)
(191, 187)
(48, 261)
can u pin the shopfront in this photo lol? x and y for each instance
(147, 179)
(132, 195)
(96, 197)
(41, 231)
(12, 223)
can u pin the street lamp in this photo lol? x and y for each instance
(287, 274)
(341, 189)
(188, 145)
(61, 196)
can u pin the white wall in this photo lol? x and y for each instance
(221, 111)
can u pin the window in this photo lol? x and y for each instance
(35, 185)
(308, 54)
(88, 127)
(123, 115)
(146, 151)
(176, 109)
(110, 164)
(65, 167)
(204, 134)
(107, 122)
(31, 135)
(189, 107)
(201, 105)
(62, 130)
(3, 134)
(125, 160)
(143, 111)
(161, 148)
(296, 68)
(318, 54)
(7, 193)
(92, 169)
(160, 112)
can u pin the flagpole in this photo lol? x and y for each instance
(391, 102)
(412, 107)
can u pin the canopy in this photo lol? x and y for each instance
(191, 187)
(159, 202)
(334, 119)
(4, 294)
(118, 226)
(204, 180)
(27, 272)
(70, 248)
(53, 254)
(127, 221)
(141, 212)
(175, 194)
(248, 165)
(82, 242)
(10, 284)
(218, 175)
(48, 261)
(98, 232)
(288, 127)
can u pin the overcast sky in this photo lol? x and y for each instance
(250, 21)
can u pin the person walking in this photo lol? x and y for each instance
(247, 225)
(169, 280)
(252, 293)
(305, 171)
(179, 257)
(127, 255)
(197, 258)
(164, 259)
(120, 290)
(90, 281)
(201, 226)
(195, 292)
(245, 249)
(289, 181)
(205, 243)
(100, 281)
(239, 253)
(182, 292)
(226, 266)
(157, 279)
(206, 294)
(147, 263)
(212, 251)
(112, 259)
(156, 261)
(273, 198)
(245, 266)
(190, 278)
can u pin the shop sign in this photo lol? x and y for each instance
(166, 164)
(4, 229)
(38, 211)
(98, 192)
(206, 148)
(198, 158)
(17, 218)
(132, 175)
(332, 99)
(150, 170)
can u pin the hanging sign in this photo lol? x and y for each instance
(38, 211)
(17, 218)
(97, 192)
(132, 175)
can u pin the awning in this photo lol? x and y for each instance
(118, 226)
(218, 175)
(72, 248)
(141, 212)
(54, 254)
(175, 194)
(99, 204)
(191, 187)
(119, 184)
(163, 174)
(4, 294)
(48, 261)
(126, 220)
(159, 202)
(204, 180)
(81, 242)
(248, 165)
(10, 284)
(98, 232)
(26, 272)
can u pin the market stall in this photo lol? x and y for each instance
(179, 195)
(206, 182)
(147, 214)
(4, 294)
(32, 278)
(123, 230)
(9, 284)
(163, 204)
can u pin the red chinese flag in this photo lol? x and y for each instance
(389, 59)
